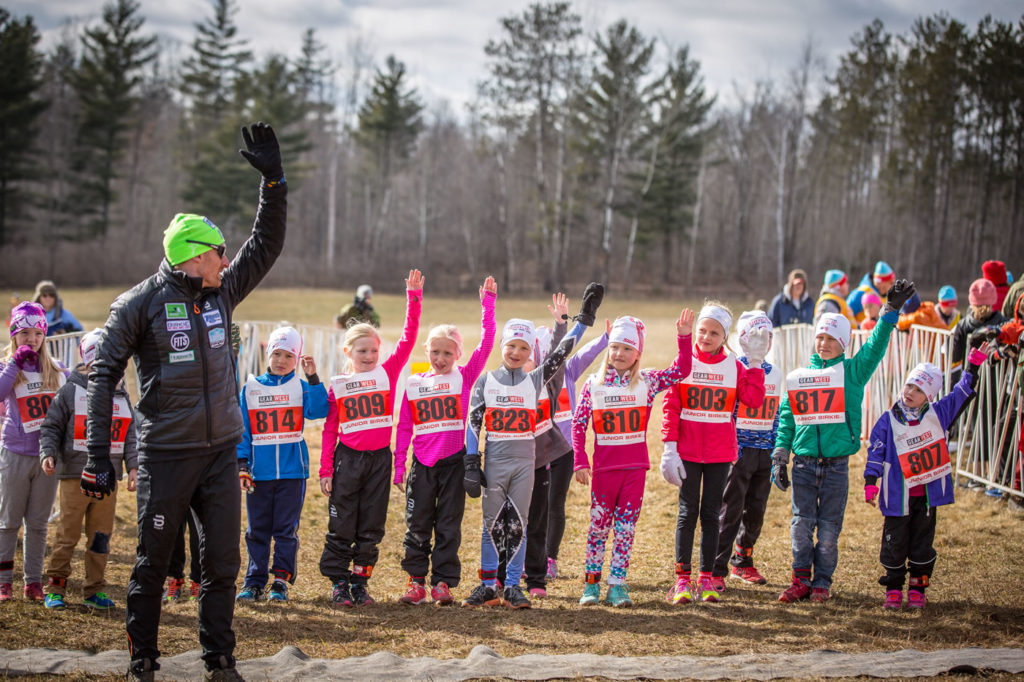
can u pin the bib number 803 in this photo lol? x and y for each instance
(706, 398)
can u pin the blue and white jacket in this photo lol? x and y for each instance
(288, 460)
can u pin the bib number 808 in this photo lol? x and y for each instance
(436, 409)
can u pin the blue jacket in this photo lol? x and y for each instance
(59, 320)
(784, 310)
(290, 460)
(883, 463)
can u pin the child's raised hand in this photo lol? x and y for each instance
(415, 281)
(489, 285)
(133, 480)
(684, 325)
(583, 476)
(325, 486)
(308, 365)
(607, 326)
(559, 307)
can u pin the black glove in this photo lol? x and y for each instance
(592, 297)
(780, 469)
(262, 150)
(981, 336)
(474, 477)
(98, 477)
(900, 293)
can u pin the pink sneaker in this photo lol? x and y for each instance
(893, 599)
(683, 592)
(707, 589)
(538, 593)
(34, 592)
(718, 582)
(820, 595)
(915, 599)
(6, 592)
(552, 569)
(441, 595)
(415, 594)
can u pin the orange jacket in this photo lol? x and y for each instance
(927, 315)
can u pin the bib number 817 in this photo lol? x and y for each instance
(808, 401)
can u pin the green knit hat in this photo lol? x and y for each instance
(189, 235)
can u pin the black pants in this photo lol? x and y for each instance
(743, 504)
(207, 484)
(707, 506)
(561, 477)
(907, 545)
(358, 510)
(435, 501)
(176, 569)
(536, 564)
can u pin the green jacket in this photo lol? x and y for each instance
(836, 440)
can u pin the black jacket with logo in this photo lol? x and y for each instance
(179, 333)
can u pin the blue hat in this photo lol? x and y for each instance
(1009, 277)
(947, 294)
(883, 272)
(834, 278)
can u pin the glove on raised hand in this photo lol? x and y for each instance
(780, 469)
(262, 150)
(23, 356)
(900, 293)
(754, 345)
(474, 478)
(982, 335)
(592, 297)
(98, 477)
(672, 469)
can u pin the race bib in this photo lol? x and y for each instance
(545, 420)
(709, 393)
(120, 422)
(817, 396)
(921, 449)
(762, 418)
(33, 400)
(363, 400)
(564, 411)
(620, 413)
(510, 412)
(435, 403)
(275, 412)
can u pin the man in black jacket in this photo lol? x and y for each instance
(176, 323)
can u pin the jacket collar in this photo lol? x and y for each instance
(709, 358)
(818, 363)
(613, 378)
(191, 286)
(276, 380)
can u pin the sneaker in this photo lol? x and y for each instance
(441, 595)
(6, 592)
(174, 589)
(143, 670)
(249, 593)
(482, 595)
(278, 591)
(34, 592)
(994, 492)
(591, 594)
(893, 599)
(618, 596)
(225, 673)
(552, 569)
(415, 594)
(55, 601)
(341, 595)
(99, 601)
(514, 598)
(193, 591)
(798, 591)
(747, 574)
(915, 599)
(718, 582)
(683, 591)
(361, 595)
(820, 595)
(538, 593)
(708, 592)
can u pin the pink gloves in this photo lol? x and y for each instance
(24, 355)
(870, 493)
(976, 357)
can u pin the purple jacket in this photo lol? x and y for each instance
(14, 437)
(883, 463)
(574, 367)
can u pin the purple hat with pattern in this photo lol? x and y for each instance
(28, 315)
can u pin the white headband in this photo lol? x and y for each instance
(719, 315)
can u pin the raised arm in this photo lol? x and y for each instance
(580, 421)
(478, 358)
(403, 350)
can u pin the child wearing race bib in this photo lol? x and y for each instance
(355, 457)
(699, 430)
(819, 422)
(909, 473)
(29, 379)
(506, 400)
(433, 419)
(63, 452)
(620, 397)
(273, 461)
(749, 481)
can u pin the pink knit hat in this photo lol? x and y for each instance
(871, 298)
(982, 292)
(28, 315)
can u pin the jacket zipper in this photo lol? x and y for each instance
(206, 388)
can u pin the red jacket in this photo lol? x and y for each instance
(704, 442)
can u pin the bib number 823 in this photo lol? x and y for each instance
(510, 420)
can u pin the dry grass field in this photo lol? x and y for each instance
(977, 597)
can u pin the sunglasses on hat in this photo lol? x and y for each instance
(221, 249)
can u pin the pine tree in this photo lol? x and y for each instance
(210, 73)
(20, 107)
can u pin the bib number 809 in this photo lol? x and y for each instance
(363, 406)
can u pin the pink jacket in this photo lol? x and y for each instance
(372, 439)
(704, 442)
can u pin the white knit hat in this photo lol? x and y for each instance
(285, 338)
(752, 319)
(87, 346)
(629, 331)
(522, 330)
(926, 377)
(836, 326)
(541, 344)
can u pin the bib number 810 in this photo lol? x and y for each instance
(620, 421)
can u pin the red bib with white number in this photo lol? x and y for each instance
(709, 393)
(545, 420)
(510, 412)
(33, 400)
(817, 396)
(363, 400)
(762, 418)
(620, 412)
(435, 402)
(120, 422)
(275, 412)
(921, 449)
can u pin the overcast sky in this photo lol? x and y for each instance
(441, 41)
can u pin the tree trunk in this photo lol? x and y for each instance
(696, 221)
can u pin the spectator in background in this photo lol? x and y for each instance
(982, 313)
(995, 272)
(793, 305)
(359, 310)
(948, 311)
(58, 320)
(833, 297)
(871, 305)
